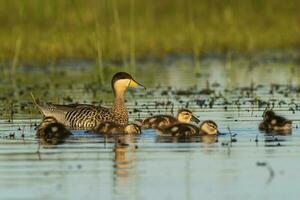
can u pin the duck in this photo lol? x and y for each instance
(114, 128)
(51, 131)
(163, 121)
(85, 116)
(207, 127)
(273, 122)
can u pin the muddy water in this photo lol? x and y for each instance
(252, 165)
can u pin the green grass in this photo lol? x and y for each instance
(126, 30)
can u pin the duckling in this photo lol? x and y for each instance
(180, 129)
(114, 128)
(207, 127)
(163, 121)
(273, 122)
(84, 116)
(51, 131)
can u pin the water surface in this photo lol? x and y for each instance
(148, 166)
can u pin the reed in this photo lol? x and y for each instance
(99, 61)
(134, 30)
(117, 26)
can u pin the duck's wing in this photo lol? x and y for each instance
(65, 108)
(86, 117)
(77, 115)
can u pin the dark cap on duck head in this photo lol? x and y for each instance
(124, 75)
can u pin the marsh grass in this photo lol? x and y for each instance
(133, 30)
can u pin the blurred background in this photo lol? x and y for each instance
(129, 30)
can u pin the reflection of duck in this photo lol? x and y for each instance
(272, 122)
(114, 128)
(124, 159)
(88, 116)
(207, 127)
(163, 121)
(51, 131)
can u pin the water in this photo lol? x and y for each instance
(86, 166)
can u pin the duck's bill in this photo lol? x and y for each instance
(133, 83)
(195, 119)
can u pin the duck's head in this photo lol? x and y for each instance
(268, 115)
(132, 129)
(209, 127)
(186, 116)
(122, 80)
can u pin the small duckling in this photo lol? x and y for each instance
(180, 129)
(207, 127)
(163, 121)
(114, 128)
(132, 129)
(51, 131)
(273, 122)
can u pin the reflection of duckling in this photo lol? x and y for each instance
(52, 131)
(273, 122)
(163, 121)
(114, 128)
(207, 127)
(209, 139)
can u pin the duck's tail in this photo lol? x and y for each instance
(35, 102)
